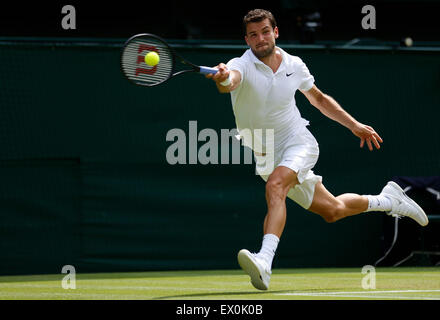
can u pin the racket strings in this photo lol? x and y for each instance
(134, 66)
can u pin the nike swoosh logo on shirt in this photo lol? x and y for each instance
(289, 74)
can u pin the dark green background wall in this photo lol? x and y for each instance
(84, 178)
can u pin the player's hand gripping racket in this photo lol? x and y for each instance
(137, 71)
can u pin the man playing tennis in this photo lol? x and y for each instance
(262, 83)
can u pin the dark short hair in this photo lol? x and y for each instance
(258, 15)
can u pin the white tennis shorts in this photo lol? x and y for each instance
(299, 154)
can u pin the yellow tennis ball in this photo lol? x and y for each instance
(152, 58)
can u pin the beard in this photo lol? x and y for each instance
(264, 53)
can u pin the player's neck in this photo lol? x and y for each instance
(273, 60)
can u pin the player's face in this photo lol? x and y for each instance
(260, 37)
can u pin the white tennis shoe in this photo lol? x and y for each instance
(256, 268)
(402, 205)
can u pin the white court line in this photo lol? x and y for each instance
(364, 294)
(374, 297)
(365, 291)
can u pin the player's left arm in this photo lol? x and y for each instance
(331, 109)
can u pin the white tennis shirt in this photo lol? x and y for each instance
(266, 100)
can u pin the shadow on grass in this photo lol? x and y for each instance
(218, 294)
(258, 294)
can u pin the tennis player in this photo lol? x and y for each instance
(263, 83)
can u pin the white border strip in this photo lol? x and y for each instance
(364, 294)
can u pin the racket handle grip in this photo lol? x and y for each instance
(208, 70)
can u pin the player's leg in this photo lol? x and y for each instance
(258, 266)
(391, 200)
(333, 208)
(279, 183)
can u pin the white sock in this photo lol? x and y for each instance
(268, 248)
(378, 203)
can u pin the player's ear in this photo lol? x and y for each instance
(246, 39)
(275, 32)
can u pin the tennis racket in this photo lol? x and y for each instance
(138, 72)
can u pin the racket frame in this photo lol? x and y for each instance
(175, 56)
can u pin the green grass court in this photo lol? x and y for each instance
(335, 284)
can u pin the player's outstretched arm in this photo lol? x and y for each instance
(330, 108)
(221, 78)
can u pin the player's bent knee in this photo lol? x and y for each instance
(329, 218)
(275, 189)
(274, 185)
(333, 212)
